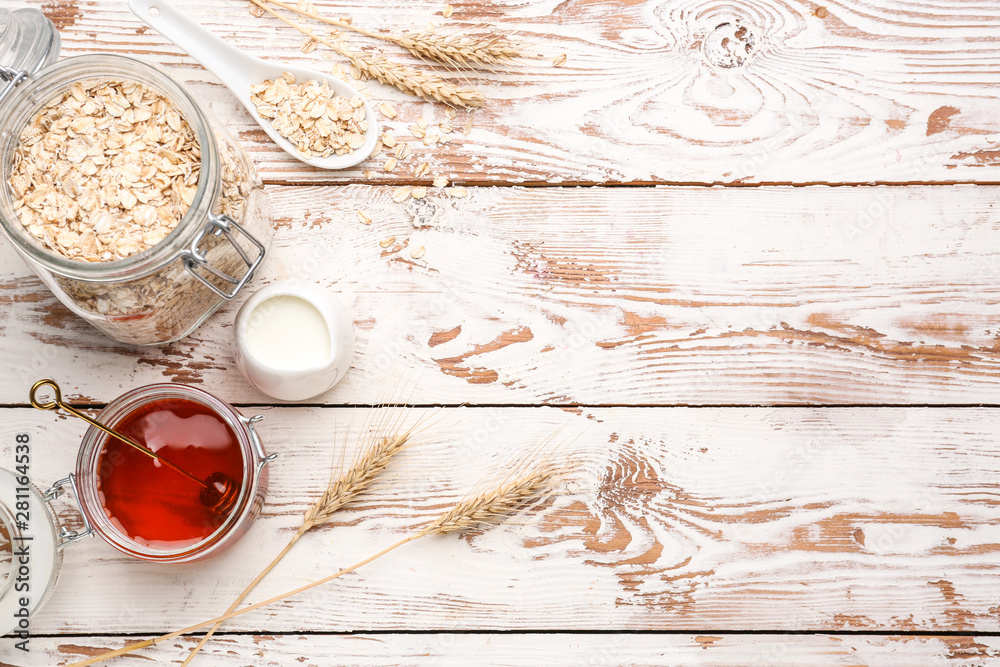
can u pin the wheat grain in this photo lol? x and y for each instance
(408, 79)
(483, 509)
(351, 484)
(455, 50)
(375, 457)
(459, 50)
(495, 504)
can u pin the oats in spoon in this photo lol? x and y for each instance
(311, 115)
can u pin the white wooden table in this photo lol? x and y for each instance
(748, 250)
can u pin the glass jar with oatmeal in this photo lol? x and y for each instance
(129, 200)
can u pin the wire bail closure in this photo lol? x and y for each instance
(195, 257)
(67, 536)
(13, 77)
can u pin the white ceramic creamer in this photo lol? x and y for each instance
(293, 340)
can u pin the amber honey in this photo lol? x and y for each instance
(148, 502)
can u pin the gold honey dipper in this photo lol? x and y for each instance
(218, 492)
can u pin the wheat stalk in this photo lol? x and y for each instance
(407, 79)
(375, 457)
(486, 508)
(455, 50)
(493, 505)
(411, 80)
(348, 486)
(458, 50)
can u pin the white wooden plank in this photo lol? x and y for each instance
(548, 649)
(599, 296)
(850, 91)
(678, 519)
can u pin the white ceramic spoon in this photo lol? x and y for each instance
(239, 71)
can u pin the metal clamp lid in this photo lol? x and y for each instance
(258, 448)
(29, 42)
(12, 77)
(34, 550)
(195, 257)
(66, 536)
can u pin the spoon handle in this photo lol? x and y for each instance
(57, 402)
(222, 59)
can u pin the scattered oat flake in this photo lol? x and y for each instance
(417, 253)
(458, 193)
(559, 61)
(364, 218)
(422, 123)
(446, 128)
(385, 243)
(256, 11)
(400, 152)
(309, 45)
(390, 164)
(368, 173)
(401, 194)
(387, 110)
(468, 127)
(422, 169)
(450, 113)
(448, 11)
(440, 181)
(388, 140)
(418, 192)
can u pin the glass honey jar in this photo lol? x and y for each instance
(140, 507)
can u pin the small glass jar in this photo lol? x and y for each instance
(86, 480)
(163, 293)
(30, 552)
(28, 523)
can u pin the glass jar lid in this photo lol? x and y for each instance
(28, 41)
(29, 551)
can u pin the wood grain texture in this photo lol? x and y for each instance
(600, 296)
(679, 519)
(601, 650)
(706, 521)
(666, 91)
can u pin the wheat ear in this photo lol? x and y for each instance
(458, 50)
(454, 50)
(486, 508)
(493, 505)
(407, 79)
(345, 488)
